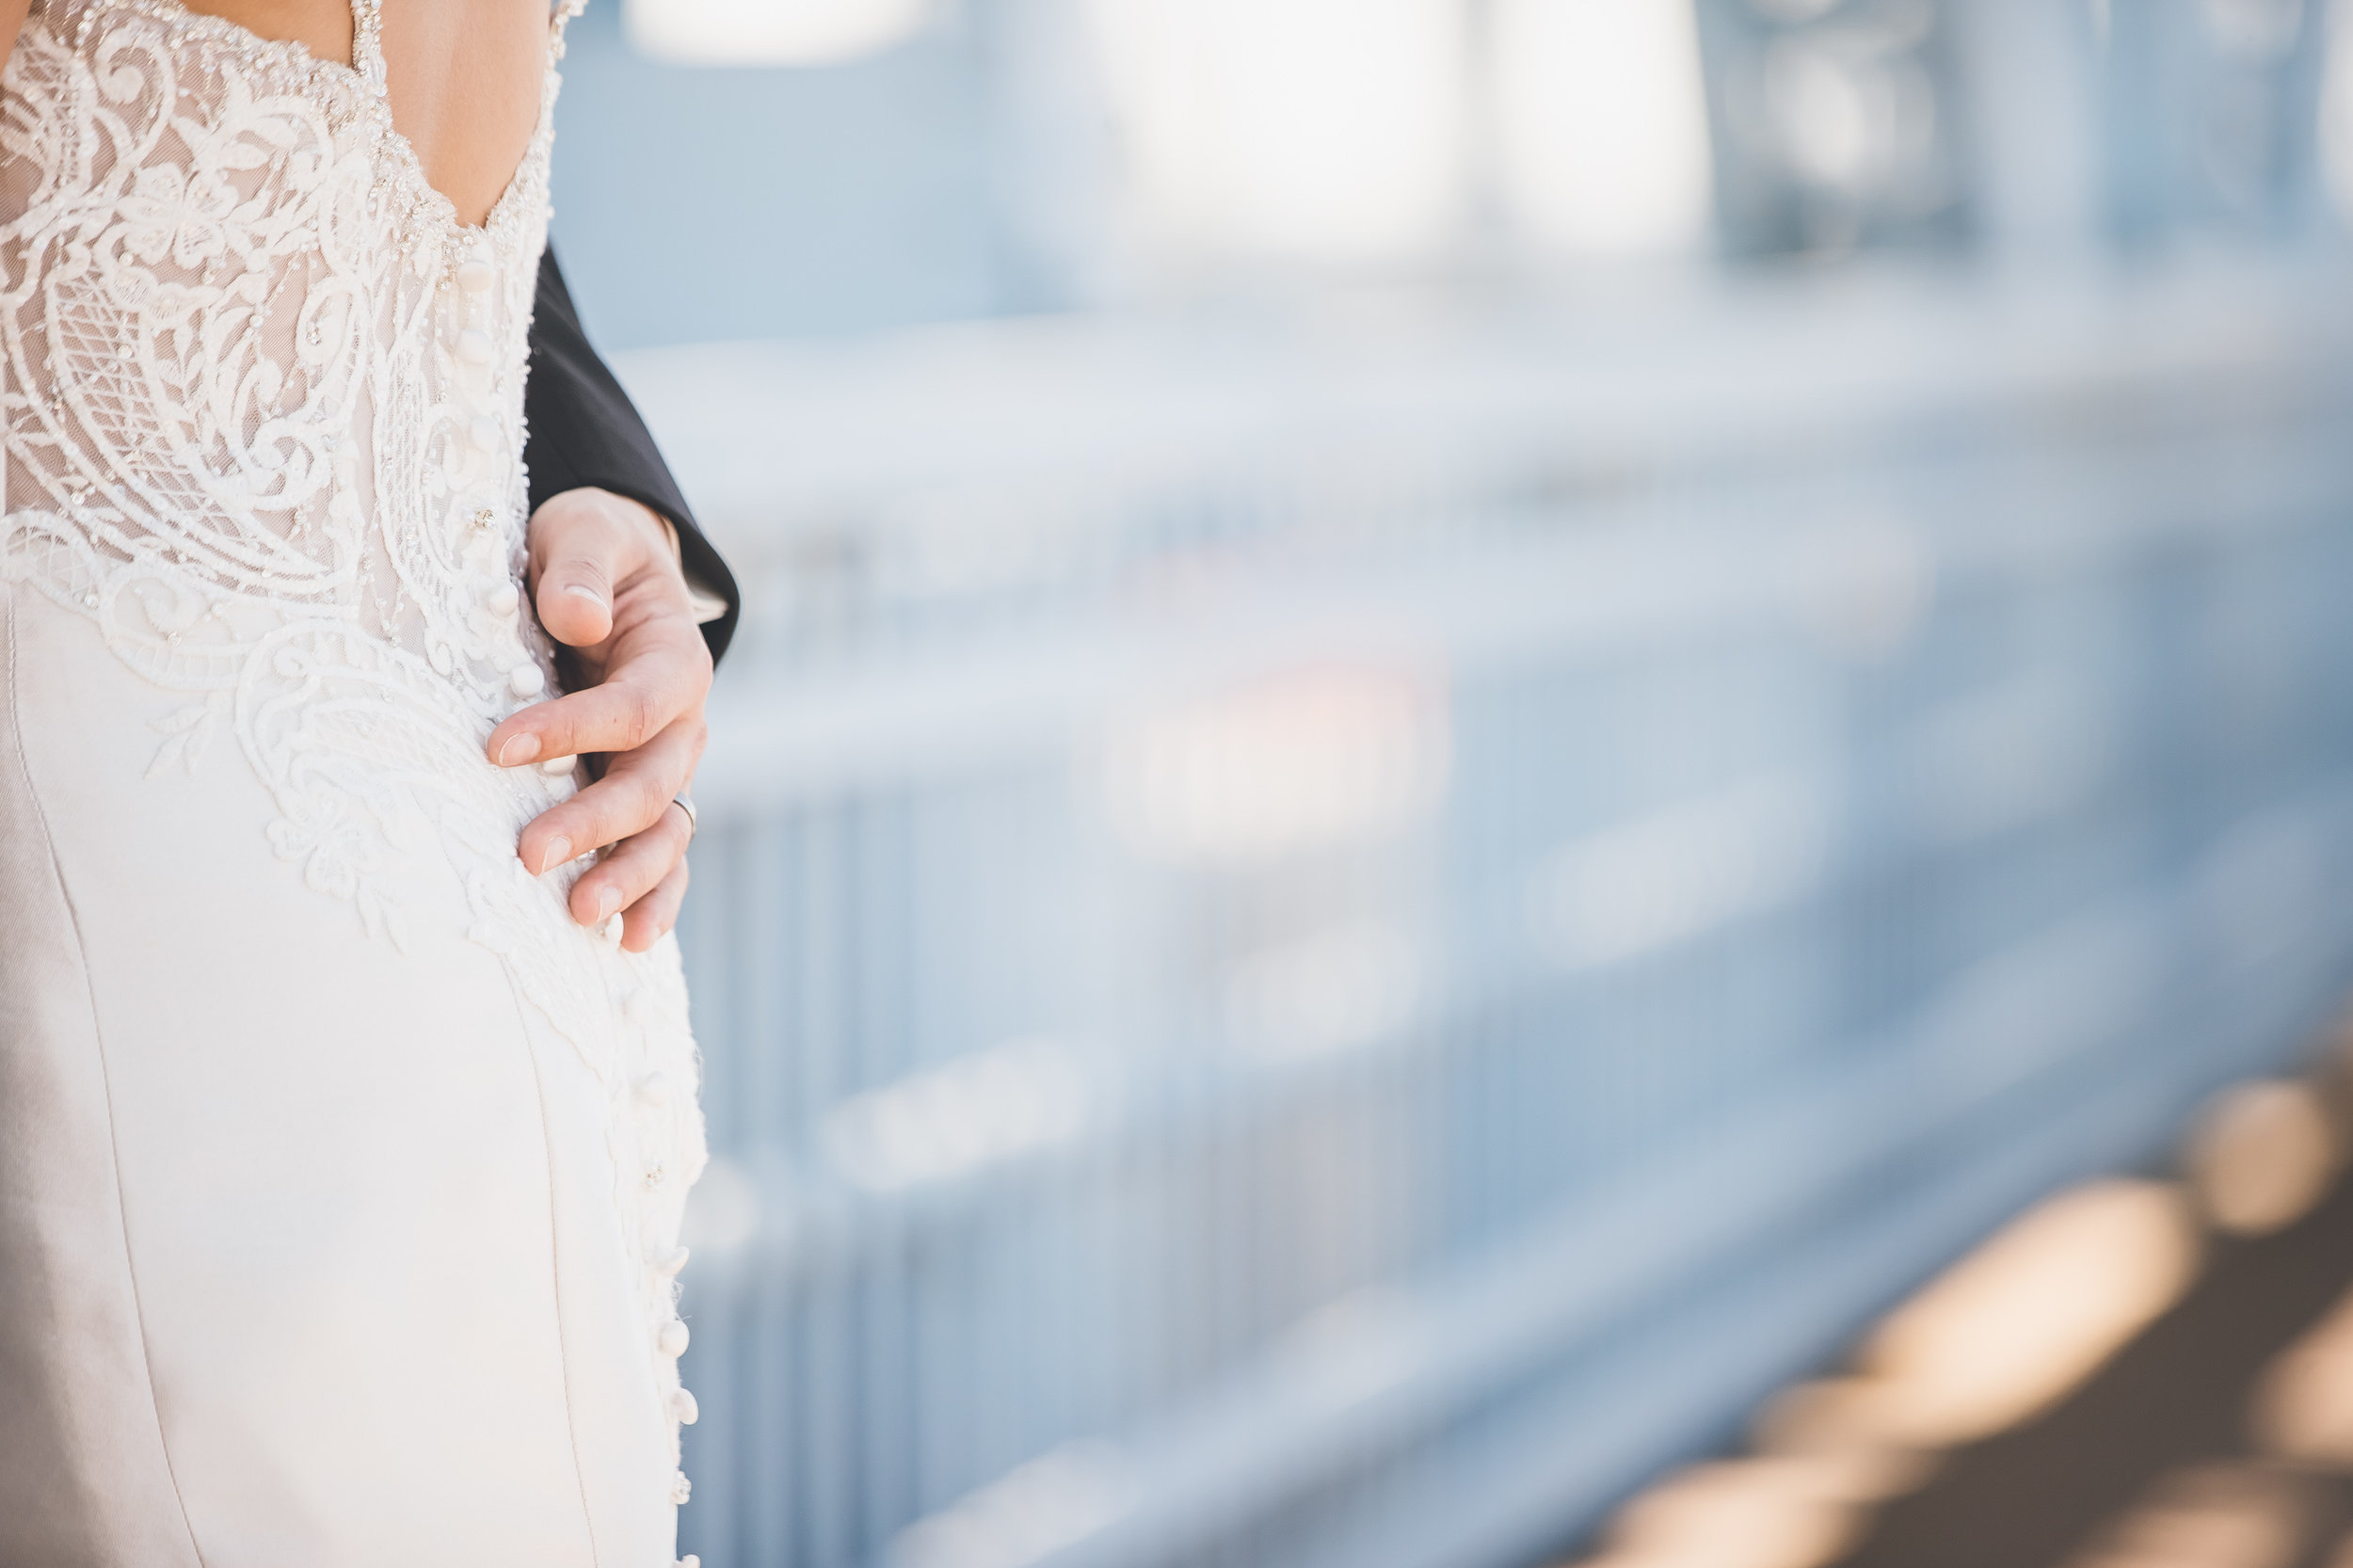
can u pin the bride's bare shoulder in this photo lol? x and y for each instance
(11, 21)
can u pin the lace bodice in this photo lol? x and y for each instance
(263, 396)
(251, 352)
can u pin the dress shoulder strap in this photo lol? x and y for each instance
(559, 13)
(367, 42)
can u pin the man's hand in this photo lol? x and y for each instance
(605, 577)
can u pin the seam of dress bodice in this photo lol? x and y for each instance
(50, 861)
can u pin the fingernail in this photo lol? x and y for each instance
(519, 749)
(607, 901)
(589, 593)
(558, 851)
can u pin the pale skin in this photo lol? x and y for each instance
(463, 78)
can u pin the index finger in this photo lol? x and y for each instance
(640, 697)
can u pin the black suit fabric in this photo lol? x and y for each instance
(582, 430)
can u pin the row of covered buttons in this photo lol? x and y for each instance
(472, 348)
(525, 678)
(505, 601)
(653, 1091)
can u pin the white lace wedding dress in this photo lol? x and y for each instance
(339, 1172)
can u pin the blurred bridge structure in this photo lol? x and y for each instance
(1295, 942)
(1333, 924)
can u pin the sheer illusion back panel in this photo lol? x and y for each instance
(245, 416)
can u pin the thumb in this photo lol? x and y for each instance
(574, 595)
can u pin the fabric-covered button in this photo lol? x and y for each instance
(680, 1488)
(683, 1405)
(557, 767)
(674, 1338)
(654, 1089)
(474, 275)
(670, 1262)
(526, 680)
(503, 600)
(473, 346)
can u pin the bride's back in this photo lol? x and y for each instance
(269, 268)
(462, 75)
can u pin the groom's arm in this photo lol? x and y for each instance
(585, 434)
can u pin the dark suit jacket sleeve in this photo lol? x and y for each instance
(583, 430)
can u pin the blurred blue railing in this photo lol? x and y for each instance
(1322, 943)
